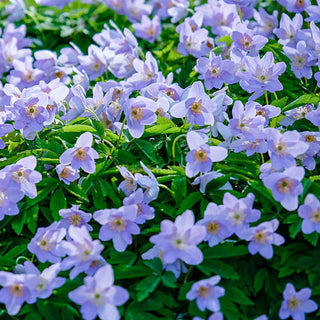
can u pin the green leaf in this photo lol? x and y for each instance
(130, 272)
(179, 187)
(107, 190)
(225, 250)
(259, 279)
(218, 267)
(312, 238)
(302, 100)
(155, 264)
(189, 201)
(162, 124)
(32, 218)
(169, 279)
(147, 286)
(238, 296)
(77, 191)
(58, 201)
(227, 39)
(148, 149)
(18, 221)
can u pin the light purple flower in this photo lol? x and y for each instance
(196, 105)
(15, 291)
(81, 155)
(296, 304)
(144, 211)
(179, 239)
(83, 253)
(262, 237)
(45, 282)
(148, 182)
(310, 212)
(139, 112)
(129, 184)
(75, 217)
(118, 225)
(296, 114)
(261, 75)
(67, 174)
(99, 297)
(207, 293)
(215, 71)
(216, 225)
(284, 147)
(239, 213)
(9, 197)
(23, 176)
(286, 186)
(45, 243)
(148, 29)
(201, 156)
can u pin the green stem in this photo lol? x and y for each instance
(120, 134)
(174, 146)
(275, 95)
(163, 186)
(266, 96)
(240, 13)
(90, 111)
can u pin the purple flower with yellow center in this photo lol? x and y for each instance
(310, 212)
(296, 304)
(99, 297)
(118, 225)
(81, 155)
(283, 148)
(129, 184)
(262, 237)
(31, 113)
(45, 243)
(67, 174)
(196, 105)
(9, 196)
(215, 71)
(239, 213)
(144, 211)
(201, 156)
(82, 251)
(207, 293)
(286, 186)
(148, 29)
(45, 282)
(296, 114)
(74, 217)
(215, 223)
(139, 112)
(23, 176)
(15, 291)
(179, 239)
(261, 75)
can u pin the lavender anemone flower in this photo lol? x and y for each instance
(179, 239)
(196, 105)
(45, 282)
(239, 213)
(139, 112)
(261, 75)
(201, 156)
(81, 155)
(23, 176)
(149, 182)
(15, 291)
(83, 253)
(99, 297)
(45, 243)
(118, 225)
(67, 174)
(216, 225)
(207, 293)
(283, 148)
(286, 186)
(215, 71)
(148, 29)
(262, 237)
(310, 212)
(296, 304)
(129, 184)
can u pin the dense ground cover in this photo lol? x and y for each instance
(159, 159)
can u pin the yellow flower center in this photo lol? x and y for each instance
(75, 219)
(201, 155)
(137, 113)
(285, 185)
(213, 227)
(80, 154)
(196, 108)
